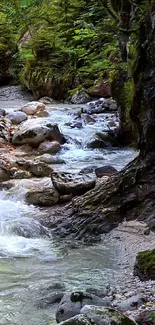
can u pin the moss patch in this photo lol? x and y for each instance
(146, 265)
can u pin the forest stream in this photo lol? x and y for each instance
(33, 263)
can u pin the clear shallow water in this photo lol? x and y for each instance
(31, 264)
(30, 260)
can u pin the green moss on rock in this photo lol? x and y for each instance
(145, 265)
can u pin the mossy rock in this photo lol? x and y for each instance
(145, 265)
(100, 315)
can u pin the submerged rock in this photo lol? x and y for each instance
(88, 119)
(96, 144)
(66, 183)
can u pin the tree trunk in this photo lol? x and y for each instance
(130, 193)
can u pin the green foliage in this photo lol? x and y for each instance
(153, 317)
(71, 42)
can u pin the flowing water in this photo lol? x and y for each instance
(31, 261)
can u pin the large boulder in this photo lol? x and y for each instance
(100, 89)
(42, 196)
(71, 304)
(51, 147)
(66, 183)
(35, 131)
(17, 117)
(80, 97)
(32, 108)
(99, 315)
(144, 266)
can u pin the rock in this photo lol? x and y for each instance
(2, 112)
(4, 174)
(100, 89)
(35, 131)
(105, 171)
(47, 100)
(77, 320)
(146, 317)
(107, 137)
(43, 197)
(42, 114)
(66, 183)
(151, 222)
(96, 144)
(93, 109)
(17, 117)
(111, 104)
(131, 303)
(65, 198)
(50, 295)
(80, 97)
(144, 266)
(49, 299)
(88, 170)
(105, 316)
(4, 129)
(51, 147)
(71, 304)
(88, 119)
(19, 173)
(33, 107)
(112, 124)
(50, 159)
(28, 228)
(98, 292)
(37, 168)
(3, 141)
(76, 124)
